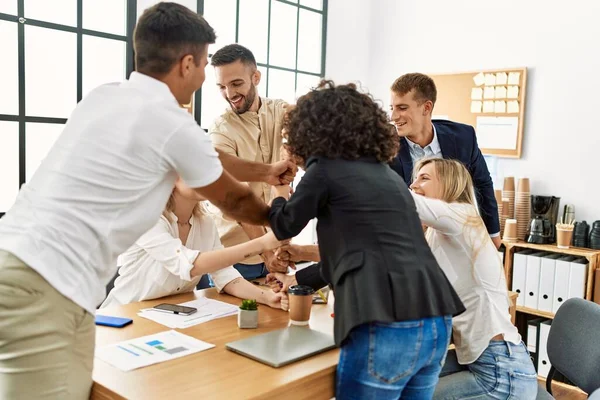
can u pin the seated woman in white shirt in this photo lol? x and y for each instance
(491, 361)
(184, 245)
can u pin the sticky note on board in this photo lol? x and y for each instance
(512, 106)
(512, 92)
(500, 106)
(488, 106)
(500, 92)
(489, 92)
(514, 78)
(490, 79)
(479, 79)
(501, 78)
(476, 93)
(476, 106)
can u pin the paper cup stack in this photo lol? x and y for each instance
(504, 215)
(523, 208)
(498, 195)
(508, 192)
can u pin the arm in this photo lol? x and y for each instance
(438, 214)
(288, 218)
(484, 189)
(279, 173)
(243, 289)
(298, 253)
(309, 276)
(271, 262)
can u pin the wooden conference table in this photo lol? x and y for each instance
(216, 373)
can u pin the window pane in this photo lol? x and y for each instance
(8, 7)
(142, 5)
(262, 86)
(281, 85)
(282, 50)
(213, 104)
(105, 16)
(58, 11)
(9, 163)
(305, 83)
(39, 138)
(220, 14)
(254, 27)
(50, 72)
(103, 62)
(316, 4)
(310, 41)
(9, 69)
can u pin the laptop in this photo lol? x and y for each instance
(283, 346)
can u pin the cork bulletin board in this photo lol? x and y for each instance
(491, 101)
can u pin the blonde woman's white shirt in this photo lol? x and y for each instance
(463, 249)
(159, 264)
(105, 182)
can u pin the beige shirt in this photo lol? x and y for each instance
(252, 136)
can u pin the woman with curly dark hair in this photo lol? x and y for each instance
(394, 305)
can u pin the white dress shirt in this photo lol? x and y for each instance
(104, 183)
(159, 265)
(463, 249)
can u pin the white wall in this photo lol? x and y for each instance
(561, 149)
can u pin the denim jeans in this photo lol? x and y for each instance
(248, 272)
(393, 360)
(503, 371)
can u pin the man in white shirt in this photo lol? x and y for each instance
(251, 130)
(103, 184)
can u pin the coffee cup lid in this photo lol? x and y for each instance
(301, 290)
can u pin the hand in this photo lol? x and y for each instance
(280, 282)
(497, 241)
(278, 300)
(270, 242)
(273, 264)
(281, 191)
(281, 173)
(289, 252)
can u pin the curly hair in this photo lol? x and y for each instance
(339, 122)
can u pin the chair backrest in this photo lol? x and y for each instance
(573, 345)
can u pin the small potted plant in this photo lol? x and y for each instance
(248, 314)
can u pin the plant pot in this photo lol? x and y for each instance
(248, 318)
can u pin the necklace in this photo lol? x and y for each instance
(183, 223)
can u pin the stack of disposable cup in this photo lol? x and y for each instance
(498, 195)
(523, 208)
(508, 192)
(504, 215)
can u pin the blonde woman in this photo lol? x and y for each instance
(491, 361)
(184, 245)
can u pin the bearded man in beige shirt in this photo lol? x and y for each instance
(251, 130)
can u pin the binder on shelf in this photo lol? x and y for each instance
(561, 281)
(546, 289)
(520, 274)
(533, 339)
(532, 280)
(577, 278)
(543, 361)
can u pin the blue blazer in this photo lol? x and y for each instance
(458, 141)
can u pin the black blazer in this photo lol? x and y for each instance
(458, 141)
(371, 242)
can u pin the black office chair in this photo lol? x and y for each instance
(573, 346)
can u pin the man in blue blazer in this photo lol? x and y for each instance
(412, 99)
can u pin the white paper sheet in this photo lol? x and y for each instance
(488, 106)
(501, 78)
(151, 349)
(512, 92)
(208, 309)
(476, 93)
(500, 106)
(490, 79)
(476, 107)
(479, 79)
(488, 92)
(514, 78)
(500, 92)
(497, 132)
(512, 106)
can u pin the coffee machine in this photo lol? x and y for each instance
(544, 215)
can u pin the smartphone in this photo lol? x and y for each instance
(175, 309)
(114, 322)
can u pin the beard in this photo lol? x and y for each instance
(248, 100)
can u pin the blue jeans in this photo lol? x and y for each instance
(503, 371)
(248, 272)
(393, 360)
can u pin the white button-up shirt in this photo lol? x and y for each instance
(433, 149)
(104, 183)
(463, 249)
(159, 264)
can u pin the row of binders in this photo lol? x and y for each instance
(546, 280)
(537, 340)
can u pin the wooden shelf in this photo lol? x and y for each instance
(533, 311)
(573, 251)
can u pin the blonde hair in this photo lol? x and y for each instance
(456, 181)
(198, 211)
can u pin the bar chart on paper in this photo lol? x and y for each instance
(151, 349)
